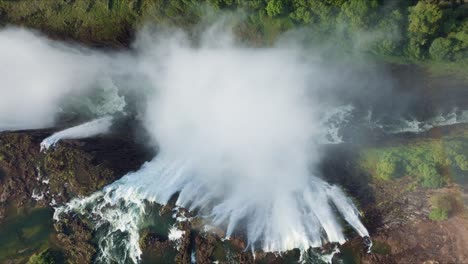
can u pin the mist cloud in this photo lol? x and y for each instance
(37, 75)
(238, 129)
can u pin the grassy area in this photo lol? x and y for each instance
(431, 162)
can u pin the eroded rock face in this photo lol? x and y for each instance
(75, 238)
(403, 233)
(30, 178)
(19, 155)
(73, 168)
(397, 214)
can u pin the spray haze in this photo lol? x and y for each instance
(37, 75)
(238, 130)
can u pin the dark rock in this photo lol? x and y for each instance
(74, 237)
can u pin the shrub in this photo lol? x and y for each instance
(462, 162)
(387, 166)
(438, 214)
(442, 206)
(431, 178)
(44, 257)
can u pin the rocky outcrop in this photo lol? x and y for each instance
(29, 177)
(74, 237)
(402, 232)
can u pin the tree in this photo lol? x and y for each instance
(389, 30)
(441, 48)
(301, 11)
(358, 14)
(424, 22)
(274, 8)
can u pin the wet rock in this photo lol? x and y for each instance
(205, 246)
(29, 177)
(74, 237)
(184, 253)
(156, 249)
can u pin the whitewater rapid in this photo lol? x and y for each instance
(121, 207)
(240, 132)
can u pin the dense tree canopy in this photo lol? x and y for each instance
(408, 29)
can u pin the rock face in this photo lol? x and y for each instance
(402, 232)
(73, 168)
(75, 238)
(395, 212)
(31, 179)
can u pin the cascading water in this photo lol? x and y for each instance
(86, 130)
(239, 132)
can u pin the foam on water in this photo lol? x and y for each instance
(333, 120)
(310, 221)
(418, 126)
(239, 133)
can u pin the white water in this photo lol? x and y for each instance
(333, 120)
(290, 220)
(86, 130)
(239, 132)
(418, 126)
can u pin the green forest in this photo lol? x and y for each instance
(402, 31)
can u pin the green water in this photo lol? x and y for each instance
(24, 234)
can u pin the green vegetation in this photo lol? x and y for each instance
(443, 205)
(412, 31)
(43, 257)
(432, 162)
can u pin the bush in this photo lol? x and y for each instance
(442, 206)
(387, 166)
(438, 214)
(44, 257)
(462, 162)
(431, 178)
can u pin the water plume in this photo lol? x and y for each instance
(38, 74)
(238, 129)
(239, 132)
(89, 129)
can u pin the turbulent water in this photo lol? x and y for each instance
(289, 220)
(238, 146)
(239, 132)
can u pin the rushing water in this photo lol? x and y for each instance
(86, 130)
(239, 130)
(122, 206)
